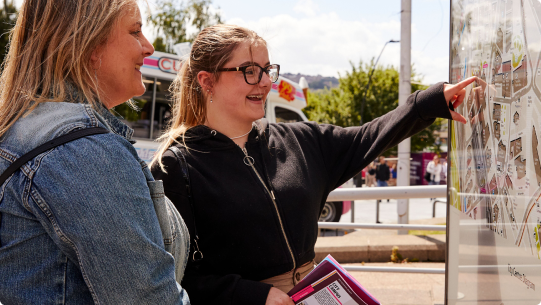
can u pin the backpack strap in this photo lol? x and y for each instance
(197, 254)
(81, 133)
(74, 135)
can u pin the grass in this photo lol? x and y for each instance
(423, 232)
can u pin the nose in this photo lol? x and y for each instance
(265, 80)
(148, 48)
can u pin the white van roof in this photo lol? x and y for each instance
(166, 66)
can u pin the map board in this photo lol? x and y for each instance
(494, 213)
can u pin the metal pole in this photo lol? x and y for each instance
(394, 269)
(404, 90)
(377, 211)
(349, 226)
(353, 211)
(396, 192)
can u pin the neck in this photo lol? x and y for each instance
(239, 131)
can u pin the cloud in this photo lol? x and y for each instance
(325, 44)
(307, 7)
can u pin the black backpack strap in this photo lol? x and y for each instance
(81, 133)
(197, 254)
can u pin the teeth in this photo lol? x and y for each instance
(255, 96)
(137, 67)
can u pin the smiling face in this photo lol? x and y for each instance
(233, 98)
(119, 60)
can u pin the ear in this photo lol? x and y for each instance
(95, 57)
(206, 80)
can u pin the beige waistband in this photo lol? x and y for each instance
(288, 280)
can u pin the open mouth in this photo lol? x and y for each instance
(138, 67)
(255, 98)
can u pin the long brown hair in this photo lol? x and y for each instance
(50, 46)
(211, 50)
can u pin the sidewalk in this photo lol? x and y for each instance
(404, 288)
(374, 247)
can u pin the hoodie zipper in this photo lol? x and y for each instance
(250, 162)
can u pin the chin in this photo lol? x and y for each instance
(257, 115)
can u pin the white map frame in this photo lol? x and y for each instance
(494, 213)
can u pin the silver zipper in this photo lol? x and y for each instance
(250, 162)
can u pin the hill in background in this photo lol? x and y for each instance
(314, 82)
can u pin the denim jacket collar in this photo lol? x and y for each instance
(114, 124)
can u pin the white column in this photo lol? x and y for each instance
(404, 90)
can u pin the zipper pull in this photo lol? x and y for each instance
(249, 161)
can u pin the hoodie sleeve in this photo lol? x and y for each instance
(346, 151)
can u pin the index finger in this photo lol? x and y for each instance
(462, 84)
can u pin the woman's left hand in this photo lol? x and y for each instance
(456, 94)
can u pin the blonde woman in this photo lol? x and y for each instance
(83, 222)
(255, 189)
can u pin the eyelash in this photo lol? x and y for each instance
(136, 33)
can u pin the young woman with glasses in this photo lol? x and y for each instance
(252, 192)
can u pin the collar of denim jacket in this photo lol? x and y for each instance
(113, 123)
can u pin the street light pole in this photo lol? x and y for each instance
(404, 91)
(363, 100)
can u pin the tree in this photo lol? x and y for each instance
(8, 17)
(341, 106)
(173, 18)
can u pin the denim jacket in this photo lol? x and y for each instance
(85, 222)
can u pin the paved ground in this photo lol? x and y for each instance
(364, 245)
(365, 210)
(404, 288)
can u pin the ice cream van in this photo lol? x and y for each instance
(284, 104)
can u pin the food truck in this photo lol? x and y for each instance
(284, 104)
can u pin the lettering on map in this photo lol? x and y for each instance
(521, 277)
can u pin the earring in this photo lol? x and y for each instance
(211, 97)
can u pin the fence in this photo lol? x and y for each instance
(399, 192)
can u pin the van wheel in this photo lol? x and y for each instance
(332, 211)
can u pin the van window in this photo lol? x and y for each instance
(284, 115)
(139, 121)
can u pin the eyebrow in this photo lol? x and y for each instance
(249, 62)
(139, 23)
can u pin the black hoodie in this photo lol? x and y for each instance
(245, 234)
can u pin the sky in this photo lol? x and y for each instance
(325, 36)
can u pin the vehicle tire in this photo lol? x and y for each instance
(332, 211)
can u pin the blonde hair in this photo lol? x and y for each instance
(211, 50)
(50, 46)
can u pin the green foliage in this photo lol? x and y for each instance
(342, 106)
(8, 16)
(159, 45)
(173, 17)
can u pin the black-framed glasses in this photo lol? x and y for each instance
(253, 73)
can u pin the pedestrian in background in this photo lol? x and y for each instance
(434, 168)
(371, 175)
(392, 181)
(382, 173)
